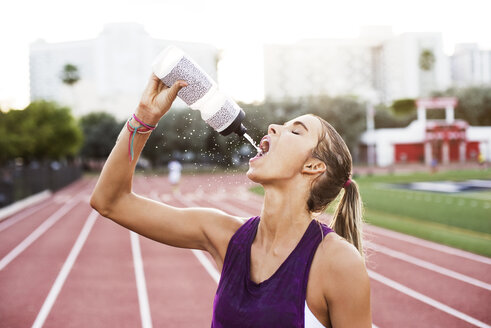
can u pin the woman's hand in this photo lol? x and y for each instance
(157, 99)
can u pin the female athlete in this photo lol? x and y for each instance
(282, 268)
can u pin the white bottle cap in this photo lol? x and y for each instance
(166, 60)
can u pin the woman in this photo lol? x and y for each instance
(283, 268)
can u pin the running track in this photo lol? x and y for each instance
(63, 265)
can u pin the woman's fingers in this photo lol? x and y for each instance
(155, 84)
(172, 92)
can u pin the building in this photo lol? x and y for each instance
(470, 65)
(424, 141)
(377, 62)
(316, 67)
(399, 69)
(114, 68)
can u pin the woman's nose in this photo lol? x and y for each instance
(272, 129)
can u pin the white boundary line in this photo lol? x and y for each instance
(40, 230)
(425, 299)
(141, 285)
(215, 275)
(23, 203)
(429, 266)
(430, 244)
(420, 242)
(209, 267)
(65, 270)
(21, 216)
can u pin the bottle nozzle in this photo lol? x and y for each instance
(236, 126)
(241, 130)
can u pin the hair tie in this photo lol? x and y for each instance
(347, 183)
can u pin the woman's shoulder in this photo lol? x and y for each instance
(340, 256)
(238, 224)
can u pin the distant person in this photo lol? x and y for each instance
(174, 174)
(434, 165)
(284, 267)
(481, 160)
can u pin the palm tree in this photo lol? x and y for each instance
(70, 76)
(427, 78)
(426, 60)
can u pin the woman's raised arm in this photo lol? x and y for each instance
(202, 228)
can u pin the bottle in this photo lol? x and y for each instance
(218, 110)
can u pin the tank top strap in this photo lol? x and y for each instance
(316, 236)
(237, 247)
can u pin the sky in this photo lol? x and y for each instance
(238, 27)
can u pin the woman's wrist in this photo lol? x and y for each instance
(144, 115)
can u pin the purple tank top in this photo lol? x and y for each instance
(278, 301)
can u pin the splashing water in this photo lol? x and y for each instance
(248, 137)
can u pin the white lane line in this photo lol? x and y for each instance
(429, 244)
(428, 265)
(23, 203)
(140, 281)
(65, 270)
(419, 242)
(425, 299)
(215, 275)
(22, 215)
(37, 233)
(200, 255)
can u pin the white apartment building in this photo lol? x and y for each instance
(376, 63)
(114, 68)
(470, 65)
(314, 67)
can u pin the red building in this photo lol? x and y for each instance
(424, 140)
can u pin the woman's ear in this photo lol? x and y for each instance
(314, 166)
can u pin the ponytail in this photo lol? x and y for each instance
(347, 220)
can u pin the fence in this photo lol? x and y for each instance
(19, 181)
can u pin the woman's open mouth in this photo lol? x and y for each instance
(264, 148)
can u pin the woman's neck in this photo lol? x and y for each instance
(284, 216)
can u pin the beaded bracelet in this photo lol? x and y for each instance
(133, 130)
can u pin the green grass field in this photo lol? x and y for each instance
(461, 220)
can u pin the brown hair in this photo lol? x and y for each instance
(347, 220)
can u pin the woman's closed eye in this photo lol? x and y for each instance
(295, 132)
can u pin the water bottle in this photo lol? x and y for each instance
(218, 110)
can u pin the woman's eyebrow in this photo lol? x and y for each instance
(299, 123)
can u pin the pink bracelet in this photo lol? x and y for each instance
(133, 132)
(151, 127)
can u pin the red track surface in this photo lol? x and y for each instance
(420, 285)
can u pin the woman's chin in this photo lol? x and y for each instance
(252, 175)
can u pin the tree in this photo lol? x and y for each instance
(69, 74)
(404, 107)
(474, 104)
(385, 118)
(43, 130)
(426, 60)
(345, 114)
(56, 131)
(100, 131)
